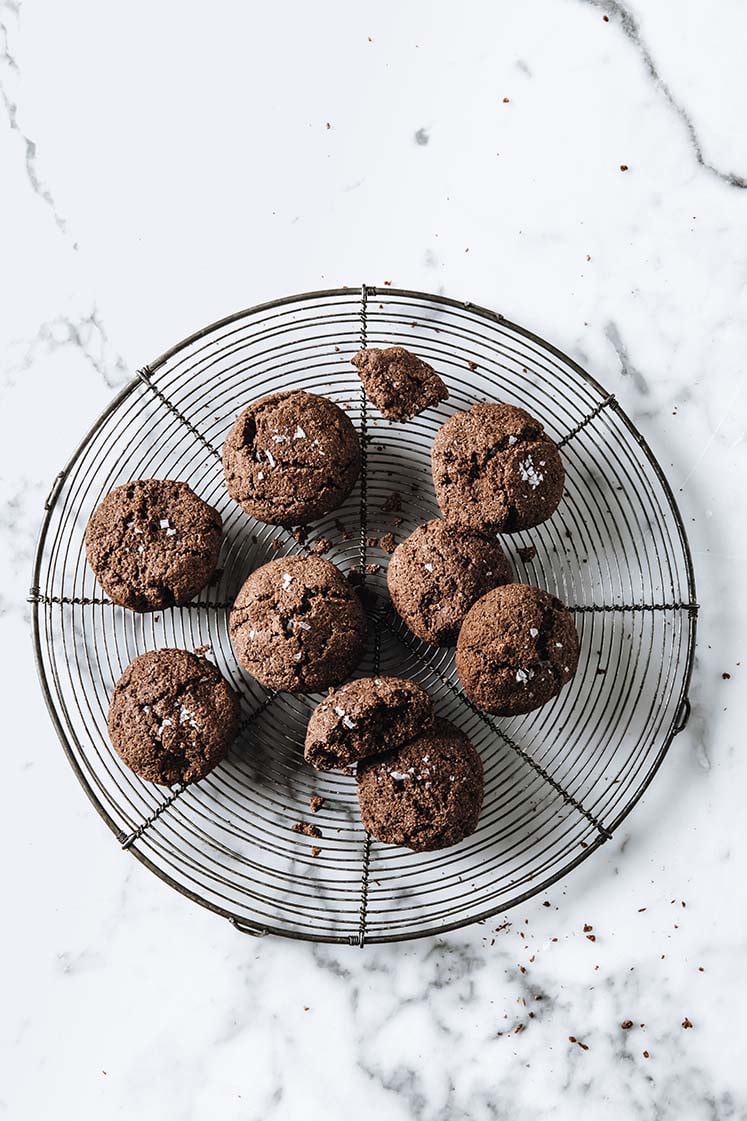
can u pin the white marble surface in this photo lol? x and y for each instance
(164, 164)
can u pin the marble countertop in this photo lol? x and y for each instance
(579, 166)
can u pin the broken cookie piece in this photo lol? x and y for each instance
(399, 383)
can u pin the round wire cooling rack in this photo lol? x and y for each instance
(557, 782)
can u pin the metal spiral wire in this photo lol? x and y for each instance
(557, 782)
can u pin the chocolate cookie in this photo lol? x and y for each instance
(297, 625)
(438, 572)
(153, 543)
(365, 717)
(291, 457)
(426, 795)
(172, 717)
(399, 384)
(517, 648)
(494, 468)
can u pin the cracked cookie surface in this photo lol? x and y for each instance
(427, 795)
(496, 469)
(291, 457)
(368, 716)
(297, 625)
(172, 716)
(153, 543)
(516, 650)
(438, 572)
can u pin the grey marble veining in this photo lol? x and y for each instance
(159, 172)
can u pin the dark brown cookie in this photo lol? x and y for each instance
(426, 795)
(400, 384)
(365, 717)
(153, 544)
(172, 717)
(297, 625)
(438, 572)
(291, 457)
(494, 468)
(517, 648)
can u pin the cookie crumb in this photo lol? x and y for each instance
(626, 1025)
(316, 802)
(307, 829)
(322, 545)
(315, 850)
(527, 553)
(388, 543)
(624, 167)
(687, 1022)
(393, 503)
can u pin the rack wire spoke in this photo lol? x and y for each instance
(616, 550)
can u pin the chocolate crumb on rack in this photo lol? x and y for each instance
(307, 829)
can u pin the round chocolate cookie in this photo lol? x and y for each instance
(426, 795)
(438, 572)
(495, 468)
(297, 625)
(517, 648)
(365, 717)
(291, 457)
(172, 717)
(153, 543)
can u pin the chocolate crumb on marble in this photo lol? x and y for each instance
(368, 716)
(426, 795)
(399, 383)
(297, 626)
(496, 469)
(516, 650)
(152, 543)
(291, 457)
(437, 574)
(172, 716)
